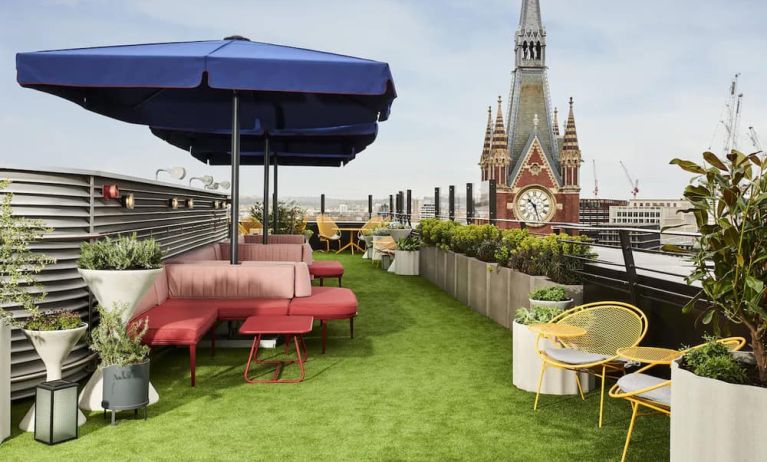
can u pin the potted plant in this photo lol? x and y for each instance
(526, 364)
(729, 203)
(124, 361)
(378, 234)
(399, 230)
(290, 217)
(406, 256)
(553, 296)
(118, 272)
(366, 234)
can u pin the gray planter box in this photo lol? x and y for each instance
(126, 388)
(439, 268)
(426, 265)
(478, 284)
(498, 296)
(450, 273)
(462, 278)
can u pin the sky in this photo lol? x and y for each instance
(649, 78)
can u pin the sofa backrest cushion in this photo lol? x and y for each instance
(276, 239)
(268, 252)
(303, 280)
(230, 281)
(155, 295)
(205, 253)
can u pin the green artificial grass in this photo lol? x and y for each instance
(425, 378)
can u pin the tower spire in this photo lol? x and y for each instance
(531, 36)
(485, 158)
(499, 150)
(556, 122)
(570, 158)
(530, 18)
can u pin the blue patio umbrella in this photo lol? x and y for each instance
(325, 147)
(214, 85)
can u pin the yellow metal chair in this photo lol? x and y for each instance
(248, 225)
(328, 231)
(651, 392)
(602, 329)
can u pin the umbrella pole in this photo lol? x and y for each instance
(266, 188)
(275, 209)
(235, 210)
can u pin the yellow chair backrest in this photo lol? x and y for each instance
(373, 223)
(249, 224)
(326, 226)
(609, 326)
(385, 243)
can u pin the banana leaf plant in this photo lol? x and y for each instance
(729, 202)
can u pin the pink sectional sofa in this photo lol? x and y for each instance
(188, 300)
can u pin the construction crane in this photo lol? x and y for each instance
(732, 117)
(754, 139)
(596, 181)
(634, 183)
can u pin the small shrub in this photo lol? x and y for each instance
(411, 243)
(536, 315)
(550, 294)
(486, 251)
(123, 253)
(53, 320)
(715, 361)
(441, 233)
(116, 343)
(290, 217)
(510, 239)
(382, 231)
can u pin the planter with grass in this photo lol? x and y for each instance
(526, 364)
(552, 296)
(718, 399)
(124, 362)
(407, 256)
(118, 272)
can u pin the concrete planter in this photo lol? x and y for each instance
(498, 296)
(406, 262)
(562, 305)
(521, 285)
(526, 367)
(398, 234)
(713, 420)
(426, 266)
(53, 346)
(450, 272)
(462, 278)
(439, 268)
(478, 284)
(5, 380)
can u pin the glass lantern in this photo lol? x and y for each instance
(56, 412)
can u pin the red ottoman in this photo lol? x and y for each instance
(327, 269)
(327, 304)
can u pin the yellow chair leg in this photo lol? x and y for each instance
(602, 398)
(540, 382)
(634, 409)
(578, 382)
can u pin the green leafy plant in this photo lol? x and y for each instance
(116, 343)
(486, 250)
(536, 315)
(53, 320)
(715, 361)
(290, 217)
(398, 225)
(19, 265)
(382, 231)
(308, 233)
(441, 233)
(729, 203)
(510, 240)
(549, 294)
(411, 243)
(122, 253)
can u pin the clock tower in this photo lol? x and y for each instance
(541, 184)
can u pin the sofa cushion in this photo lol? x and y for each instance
(326, 269)
(276, 239)
(206, 253)
(230, 281)
(177, 323)
(155, 295)
(303, 280)
(637, 381)
(261, 252)
(244, 308)
(573, 356)
(326, 303)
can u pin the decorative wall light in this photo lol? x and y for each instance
(110, 191)
(216, 204)
(56, 412)
(190, 203)
(206, 180)
(173, 203)
(128, 201)
(177, 173)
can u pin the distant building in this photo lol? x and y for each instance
(655, 214)
(596, 212)
(427, 210)
(343, 209)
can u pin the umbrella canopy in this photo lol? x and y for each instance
(189, 85)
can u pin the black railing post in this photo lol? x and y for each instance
(436, 203)
(628, 260)
(469, 203)
(492, 211)
(322, 204)
(409, 206)
(451, 203)
(370, 206)
(391, 207)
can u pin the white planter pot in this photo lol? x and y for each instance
(53, 347)
(116, 288)
(368, 247)
(398, 234)
(5, 380)
(526, 367)
(713, 420)
(374, 254)
(563, 305)
(406, 262)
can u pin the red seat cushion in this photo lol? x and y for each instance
(326, 303)
(175, 322)
(243, 309)
(326, 269)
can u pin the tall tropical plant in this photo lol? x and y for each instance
(19, 264)
(729, 202)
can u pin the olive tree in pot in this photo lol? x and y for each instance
(118, 272)
(553, 296)
(526, 364)
(406, 257)
(53, 333)
(124, 362)
(729, 202)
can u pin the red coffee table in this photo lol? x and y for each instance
(290, 327)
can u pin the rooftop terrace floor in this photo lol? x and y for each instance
(425, 378)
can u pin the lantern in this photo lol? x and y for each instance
(56, 412)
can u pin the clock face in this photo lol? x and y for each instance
(535, 205)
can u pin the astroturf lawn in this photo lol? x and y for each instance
(425, 378)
